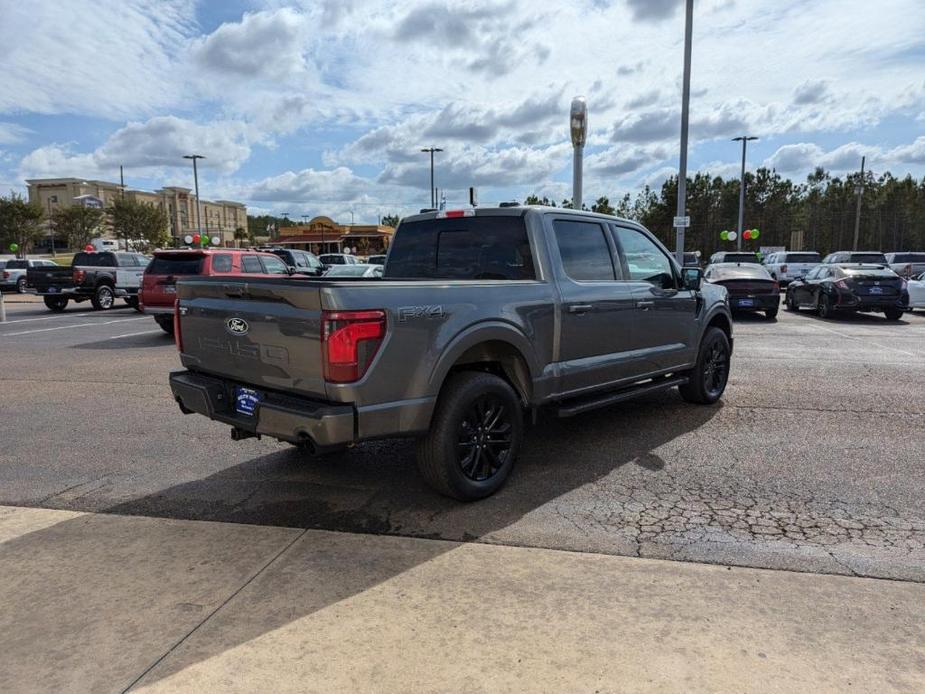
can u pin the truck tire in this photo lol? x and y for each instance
(103, 298)
(474, 436)
(55, 303)
(21, 285)
(165, 323)
(708, 378)
(132, 302)
(893, 313)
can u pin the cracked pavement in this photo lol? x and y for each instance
(813, 462)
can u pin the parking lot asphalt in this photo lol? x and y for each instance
(812, 462)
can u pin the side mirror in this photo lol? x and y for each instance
(291, 269)
(692, 278)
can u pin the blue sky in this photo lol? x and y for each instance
(322, 107)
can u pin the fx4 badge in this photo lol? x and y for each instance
(406, 313)
(236, 326)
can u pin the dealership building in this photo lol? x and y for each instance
(219, 218)
(324, 235)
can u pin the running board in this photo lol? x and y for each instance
(592, 402)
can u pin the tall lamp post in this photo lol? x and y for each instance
(744, 139)
(681, 220)
(859, 189)
(194, 157)
(433, 197)
(578, 127)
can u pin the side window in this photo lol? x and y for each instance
(300, 260)
(272, 265)
(221, 262)
(644, 259)
(585, 253)
(251, 264)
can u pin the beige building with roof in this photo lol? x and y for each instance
(219, 217)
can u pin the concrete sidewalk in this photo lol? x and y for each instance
(103, 603)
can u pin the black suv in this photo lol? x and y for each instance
(305, 263)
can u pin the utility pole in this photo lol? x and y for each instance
(685, 111)
(745, 139)
(859, 189)
(433, 191)
(578, 126)
(121, 182)
(194, 157)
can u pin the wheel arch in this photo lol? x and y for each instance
(494, 347)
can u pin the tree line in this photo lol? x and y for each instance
(24, 223)
(823, 208)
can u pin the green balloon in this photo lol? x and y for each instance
(14, 247)
(754, 233)
(723, 235)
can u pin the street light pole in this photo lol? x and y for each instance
(578, 127)
(194, 157)
(685, 111)
(857, 215)
(433, 197)
(744, 139)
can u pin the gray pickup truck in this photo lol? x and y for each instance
(481, 316)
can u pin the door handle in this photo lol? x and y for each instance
(579, 308)
(645, 305)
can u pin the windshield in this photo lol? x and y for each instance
(803, 258)
(868, 258)
(176, 264)
(734, 271)
(464, 248)
(909, 257)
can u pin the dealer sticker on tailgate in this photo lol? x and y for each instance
(245, 400)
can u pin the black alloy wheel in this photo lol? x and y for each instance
(716, 369)
(707, 380)
(484, 438)
(104, 298)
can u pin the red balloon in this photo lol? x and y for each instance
(89, 248)
(746, 234)
(195, 238)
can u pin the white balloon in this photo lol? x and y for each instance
(216, 240)
(187, 239)
(731, 236)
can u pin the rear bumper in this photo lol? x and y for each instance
(868, 303)
(284, 417)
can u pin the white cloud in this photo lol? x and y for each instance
(155, 144)
(11, 133)
(105, 58)
(262, 45)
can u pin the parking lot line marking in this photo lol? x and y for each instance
(870, 342)
(68, 327)
(63, 315)
(143, 332)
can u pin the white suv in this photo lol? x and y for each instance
(786, 266)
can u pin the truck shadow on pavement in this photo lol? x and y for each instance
(373, 489)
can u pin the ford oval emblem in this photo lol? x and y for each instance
(236, 326)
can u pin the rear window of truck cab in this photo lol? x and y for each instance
(94, 259)
(464, 248)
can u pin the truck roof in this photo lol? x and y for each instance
(520, 211)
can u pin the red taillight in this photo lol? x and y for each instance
(349, 341)
(783, 268)
(452, 214)
(79, 276)
(177, 335)
(6, 275)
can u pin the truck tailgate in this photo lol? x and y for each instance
(263, 335)
(41, 278)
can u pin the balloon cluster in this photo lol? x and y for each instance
(748, 235)
(201, 240)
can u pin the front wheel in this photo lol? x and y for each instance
(55, 303)
(104, 298)
(474, 436)
(824, 308)
(708, 378)
(771, 313)
(21, 285)
(893, 313)
(791, 303)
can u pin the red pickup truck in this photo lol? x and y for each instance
(159, 283)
